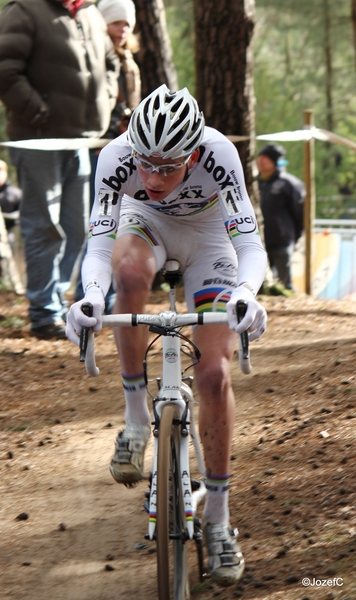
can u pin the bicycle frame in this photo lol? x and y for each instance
(174, 391)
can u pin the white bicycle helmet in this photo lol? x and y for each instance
(166, 124)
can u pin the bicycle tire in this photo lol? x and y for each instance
(172, 554)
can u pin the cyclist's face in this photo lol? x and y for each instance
(158, 184)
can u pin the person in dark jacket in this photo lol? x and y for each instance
(282, 200)
(58, 79)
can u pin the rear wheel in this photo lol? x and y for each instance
(172, 549)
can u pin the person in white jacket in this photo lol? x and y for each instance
(171, 188)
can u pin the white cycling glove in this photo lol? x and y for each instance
(76, 319)
(255, 319)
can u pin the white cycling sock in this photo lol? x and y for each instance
(216, 507)
(136, 411)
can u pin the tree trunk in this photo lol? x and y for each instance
(224, 79)
(155, 55)
(353, 18)
(328, 67)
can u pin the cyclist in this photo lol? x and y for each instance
(173, 188)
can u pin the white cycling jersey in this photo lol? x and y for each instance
(212, 199)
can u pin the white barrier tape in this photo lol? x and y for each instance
(299, 135)
(287, 136)
(306, 135)
(57, 143)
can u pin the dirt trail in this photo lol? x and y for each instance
(293, 463)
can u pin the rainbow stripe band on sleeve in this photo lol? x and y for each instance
(144, 233)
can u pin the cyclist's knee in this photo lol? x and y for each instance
(214, 376)
(132, 278)
(134, 266)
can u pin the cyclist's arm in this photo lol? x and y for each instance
(252, 265)
(241, 225)
(103, 224)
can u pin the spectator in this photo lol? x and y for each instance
(58, 79)
(120, 17)
(282, 197)
(10, 198)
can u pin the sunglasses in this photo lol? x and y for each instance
(160, 169)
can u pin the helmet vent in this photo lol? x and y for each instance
(156, 104)
(176, 106)
(182, 117)
(175, 140)
(161, 121)
(193, 143)
(141, 134)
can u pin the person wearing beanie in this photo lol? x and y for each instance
(274, 152)
(118, 10)
(120, 18)
(282, 201)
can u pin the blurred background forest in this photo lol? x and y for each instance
(303, 58)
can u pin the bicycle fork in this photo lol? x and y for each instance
(174, 391)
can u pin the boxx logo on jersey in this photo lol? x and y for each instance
(122, 173)
(189, 193)
(218, 172)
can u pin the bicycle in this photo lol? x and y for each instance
(173, 497)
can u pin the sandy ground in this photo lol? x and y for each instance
(68, 532)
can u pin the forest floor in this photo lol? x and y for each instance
(69, 532)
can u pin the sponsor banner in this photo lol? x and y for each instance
(333, 264)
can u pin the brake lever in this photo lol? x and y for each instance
(244, 350)
(241, 308)
(87, 309)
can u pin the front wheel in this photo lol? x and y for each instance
(172, 550)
